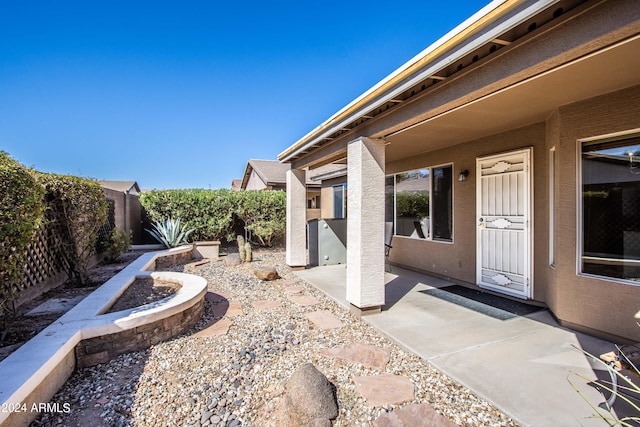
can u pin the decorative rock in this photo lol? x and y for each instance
(266, 273)
(367, 355)
(384, 389)
(422, 415)
(323, 319)
(232, 260)
(303, 300)
(309, 399)
(261, 305)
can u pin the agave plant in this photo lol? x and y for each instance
(170, 233)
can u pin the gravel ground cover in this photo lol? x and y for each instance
(233, 379)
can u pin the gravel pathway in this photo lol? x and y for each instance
(231, 380)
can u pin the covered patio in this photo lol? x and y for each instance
(494, 123)
(520, 363)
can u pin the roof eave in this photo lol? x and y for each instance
(428, 62)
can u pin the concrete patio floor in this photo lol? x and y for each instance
(521, 365)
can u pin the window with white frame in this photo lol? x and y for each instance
(611, 208)
(419, 203)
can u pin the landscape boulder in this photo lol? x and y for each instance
(266, 273)
(308, 399)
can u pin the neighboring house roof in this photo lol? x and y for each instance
(272, 173)
(130, 187)
(236, 184)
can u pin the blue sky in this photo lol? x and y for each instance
(180, 94)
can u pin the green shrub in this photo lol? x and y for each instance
(21, 212)
(119, 242)
(79, 207)
(209, 212)
(412, 204)
(263, 214)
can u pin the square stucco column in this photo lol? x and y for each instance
(365, 225)
(296, 218)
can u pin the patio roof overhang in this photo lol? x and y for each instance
(510, 65)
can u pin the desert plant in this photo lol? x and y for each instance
(241, 248)
(248, 256)
(170, 232)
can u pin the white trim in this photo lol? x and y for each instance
(429, 238)
(552, 205)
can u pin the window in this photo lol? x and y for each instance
(420, 204)
(313, 202)
(611, 208)
(340, 201)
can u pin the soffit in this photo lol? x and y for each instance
(528, 102)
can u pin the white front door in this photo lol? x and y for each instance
(504, 223)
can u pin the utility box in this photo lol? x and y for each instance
(327, 241)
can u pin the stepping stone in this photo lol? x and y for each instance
(55, 305)
(418, 415)
(367, 355)
(221, 327)
(294, 289)
(235, 309)
(287, 282)
(303, 300)
(323, 319)
(261, 305)
(384, 389)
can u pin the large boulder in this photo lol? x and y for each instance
(308, 399)
(266, 273)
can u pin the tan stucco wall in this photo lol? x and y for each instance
(603, 305)
(457, 260)
(598, 306)
(326, 196)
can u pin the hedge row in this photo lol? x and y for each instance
(214, 214)
(75, 205)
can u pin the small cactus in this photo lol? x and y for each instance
(241, 248)
(247, 252)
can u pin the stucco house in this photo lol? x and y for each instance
(513, 143)
(271, 175)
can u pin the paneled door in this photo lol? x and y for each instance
(504, 206)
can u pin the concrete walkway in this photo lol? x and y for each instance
(521, 365)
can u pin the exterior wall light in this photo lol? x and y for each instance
(463, 175)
